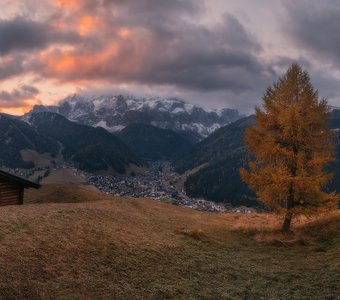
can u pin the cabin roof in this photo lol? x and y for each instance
(18, 180)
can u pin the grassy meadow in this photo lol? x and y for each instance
(87, 245)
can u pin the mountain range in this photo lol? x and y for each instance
(210, 167)
(114, 113)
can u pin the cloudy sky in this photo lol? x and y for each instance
(215, 53)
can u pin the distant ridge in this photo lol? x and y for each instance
(114, 113)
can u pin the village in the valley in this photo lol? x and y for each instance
(158, 182)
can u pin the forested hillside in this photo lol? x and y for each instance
(154, 143)
(89, 148)
(216, 162)
(15, 136)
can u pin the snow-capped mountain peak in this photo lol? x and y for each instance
(115, 112)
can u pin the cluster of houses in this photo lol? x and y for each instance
(158, 182)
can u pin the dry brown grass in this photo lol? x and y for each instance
(197, 234)
(64, 193)
(266, 228)
(122, 248)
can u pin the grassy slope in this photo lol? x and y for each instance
(142, 249)
(64, 193)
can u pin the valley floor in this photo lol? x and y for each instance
(121, 248)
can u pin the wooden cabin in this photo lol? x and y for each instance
(12, 188)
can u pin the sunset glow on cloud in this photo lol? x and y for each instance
(203, 51)
(124, 32)
(85, 25)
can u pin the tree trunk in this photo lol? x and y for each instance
(290, 205)
(287, 222)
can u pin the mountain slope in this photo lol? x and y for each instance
(222, 142)
(15, 136)
(116, 112)
(153, 143)
(216, 162)
(90, 149)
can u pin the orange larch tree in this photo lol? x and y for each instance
(292, 145)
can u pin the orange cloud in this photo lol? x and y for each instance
(18, 100)
(63, 64)
(19, 111)
(68, 3)
(124, 32)
(18, 107)
(86, 24)
(58, 24)
(69, 63)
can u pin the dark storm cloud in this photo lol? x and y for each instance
(19, 97)
(21, 40)
(215, 69)
(315, 27)
(25, 92)
(196, 57)
(160, 10)
(22, 34)
(167, 47)
(12, 65)
(155, 44)
(29, 89)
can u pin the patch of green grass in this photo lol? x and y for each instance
(19, 226)
(2, 235)
(324, 246)
(135, 204)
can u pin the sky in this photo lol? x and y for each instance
(213, 53)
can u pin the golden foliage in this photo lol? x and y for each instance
(291, 144)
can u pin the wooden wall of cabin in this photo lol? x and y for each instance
(10, 193)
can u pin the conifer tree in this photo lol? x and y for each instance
(291, 144)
